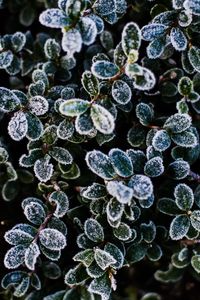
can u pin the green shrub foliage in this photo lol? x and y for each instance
(99, 149)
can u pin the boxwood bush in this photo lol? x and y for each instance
(99, 149)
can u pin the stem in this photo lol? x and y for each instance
(195, 176)
(43, 225)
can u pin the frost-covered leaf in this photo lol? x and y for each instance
(88, 30)
(171, 275)
(185, 86)
(145, 113)
(31, 255)
(6, 58)
(90, 83)
(8, 100)
(184, 196)
(100, 164)
(193, 6)
(123, 232)
(148, 231)
(141, 185)
(120, 191)
(94, 191)
(121, 162)
(93, 230)
(179, 169)
(154, 167)
(35, 127)
(156, 47)
(43, 169)
(15, 257)
(76, 275)
(195, 262)
(114, 210)
(54, 18)
(131, 38)
(177, 4)
(52, 239)
(65, 129)
(38, 105)
(52, 49)
(72, 41)
(194, 57)
(195, 219)
(103, 8)
(74, 107)
(102, 119)
(101, 286)
(178, 123)
(185, 139)
(103, 69)
(153, 31)
(34, 212)
(29, 160)
(86, 257)
(84, 124)
(18, 236)
(121, 92)
(161, 140)
(151, 296)
(12, 278)
(179, 227)
(18, 126)
(22, 288)
(116, 253)
(178, 39)
(137, 252)
(103, 259)
(18, 41)
(61, 201)
(144, 79)
(61, 155)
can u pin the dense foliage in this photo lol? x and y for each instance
(99, 149)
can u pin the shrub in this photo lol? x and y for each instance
(99, 148)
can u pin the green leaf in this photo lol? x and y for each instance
(62, 203)
(86, 257)
(102, 119)
(18, 126)
(93, 230)
(179, 169)
(52, 239)
(131, 38)
(90, 83)
(74, 107)
(122, 232)
(114, 210)
(103, 259)
(161, 140)
(154, 167)
(121, 92)
(31, 255)
(137, 252)
(6, 58)
(145, 113)
(195, 262)
(121, 162)
(100, 164)
(94, 191)
(15, 257)
(185, 139)
(103, 69)
(61, 155)
(178, 123)
(43, 169)
(101, 286)
(185, 86)
(154, 252)
(148, 231)
(35, 127)
(168, 206)
(171, 275)
(194, 57)
(195, 219)
(18, 236)
(116, 253)
(76, 275)
(179, 227)
(184, 196)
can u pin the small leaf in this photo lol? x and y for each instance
(90, 83)
(54, 18)
(86, 257)
(100, 164)
(72, 41)
(52, 239)
(93, 230)
(15, 257)
(142, 186)
(114, 210)
(185, 139)
(34, 212)
(193, 6)
(153, 31)
(194, 57)
(179, 227)
(121, 162)
(154, 167)
(38, 105)
(18, 41)
(151, 296)
(6, 58)
(168, 206)
(104, 69)
(195, 262)
(74, 107)
(184, 196)
(185, 86)
(61, 155)
(8, 100)
(178, 123)
(171, 275)
(122, 232)
(18, 236)
(131, 38)
(18, 126)
(178, 39)
(103, 259)
(76, 275)
(35, 127)
(116, 253)
(43, 169)
(121, 92)
(161, 140)
(101, 286)
(144, 113)
(179, 169)
(102, 119)
(88, 30)
(61, 201)
(120, 191)
(52, 49)
(195, 219)
(31, 255)
(94, 191)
